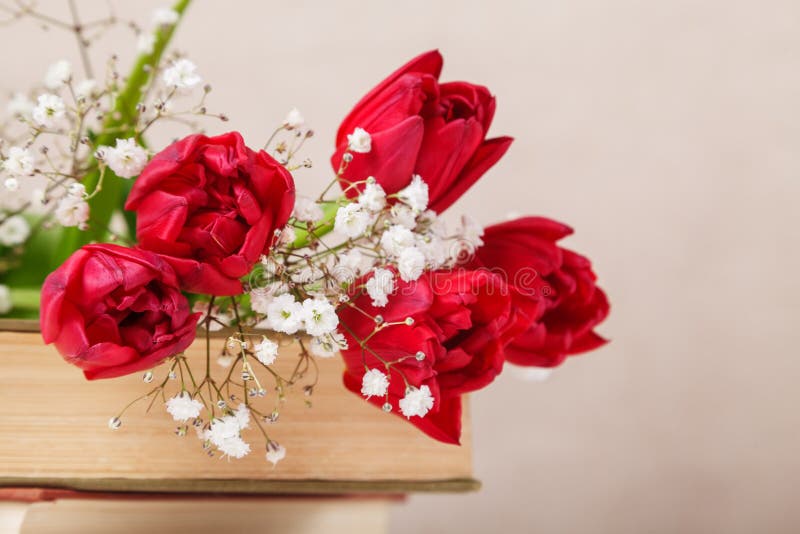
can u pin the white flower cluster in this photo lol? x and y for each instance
(225, 433)
(126, 158)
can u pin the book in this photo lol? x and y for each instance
(55, 425)
(197, 515)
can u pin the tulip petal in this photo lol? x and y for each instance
(483, 159)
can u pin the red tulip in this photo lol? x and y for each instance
(461, 321)
(421, 126)
(565, 304)
(113, 311)
(210, 206)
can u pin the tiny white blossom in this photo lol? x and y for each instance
(126, 159)
(411, 264)
(305, 209)
(58, 74)
(471, 231)
(49, 110)
(285, 314)
(225, 434)
(145, 43)
(293, 119)
(288, 235)
(181, 74)
(352, 220)
(76, 190)
(396, 239)
(359, 141)
(183, 407)
(242, 416)
(348, 266)
(373, 197)
(380, 286)
(404, 216)
(14, 230)
(434, 249)
(234, 447)
(72, 211)
(266, 351)
(86, 88)
(328, 345)
(19, 161)
(319, 316)
(416, 402)
(165, 16)
(11, 184)
(275, 452)
(415, 194)
(374, 383)
(5, 299)
(20, 106)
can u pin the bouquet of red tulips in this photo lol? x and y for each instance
(421, 312)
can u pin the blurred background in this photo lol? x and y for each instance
(668, 135)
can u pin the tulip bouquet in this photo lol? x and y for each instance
(209, 234)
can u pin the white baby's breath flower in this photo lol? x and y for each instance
(275, 452)
(126, 159)
(225, 434)
(319, 316)
(288, 235)
(348, 266)
(183, 407)
(86, 88)
(72, 211)
(416, 402)
(328, 345)
(285, 314)
(145, 43)
(374, 383)
(411, 264)
(305, 209)
(76, 190)
(396, 239)
(380, 286)
(5, 300)
(359, 141)
(434, 249)
(234, 447)
(404, 216)
(471, 231)
(293, 119)
(58, 74)
(373, 197)
(352, 220)
(14, 230)
(19, 161)
(415, 194)
(181, 74)
(242, 416)
(11, 184)
(165, 16)
(20, 106)
(266, 351)
(49, 110)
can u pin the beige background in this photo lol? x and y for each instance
(667, 134)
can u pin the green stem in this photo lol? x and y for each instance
(321, 227)
(120, 124)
